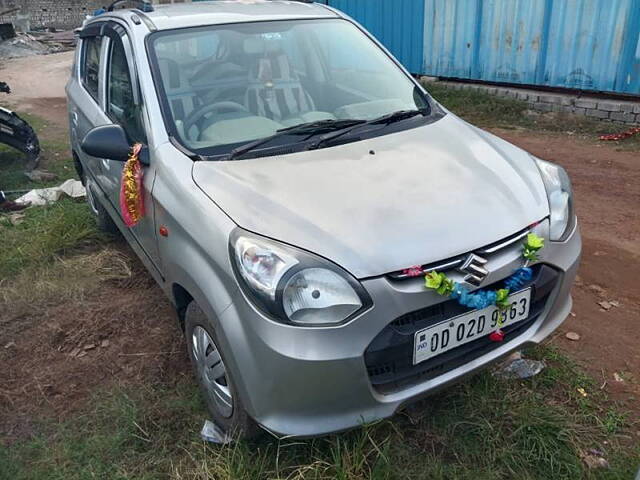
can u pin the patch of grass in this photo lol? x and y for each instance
(491, 111)
(482, 429)
(44, 233)
(614, 420)
(55, 157)
(65, 280)
(478, 107)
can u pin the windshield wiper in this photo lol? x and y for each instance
(397, 116)
(311, 128)
(384, 119)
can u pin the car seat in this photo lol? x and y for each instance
(274, 89)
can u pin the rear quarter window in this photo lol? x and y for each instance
(90, 66)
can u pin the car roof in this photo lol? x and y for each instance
(216, 12)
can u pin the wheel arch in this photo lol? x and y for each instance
(79, 168)
(184, 288)
(181, 300)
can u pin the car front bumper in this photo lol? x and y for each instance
(311, 381)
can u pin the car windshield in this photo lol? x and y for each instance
(225, 85)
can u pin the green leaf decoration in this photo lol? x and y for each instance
(531, 255)
(534, 242)
(502, 298)
(433, 280)
(439, 282)
(446, 287)
(531, 246)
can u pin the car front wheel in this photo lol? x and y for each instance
(213, 376)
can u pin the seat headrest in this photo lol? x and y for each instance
(261, 45)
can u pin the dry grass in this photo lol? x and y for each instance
(65, 280)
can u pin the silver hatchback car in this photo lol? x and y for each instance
(298, 185)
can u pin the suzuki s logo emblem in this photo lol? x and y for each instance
(473, 266)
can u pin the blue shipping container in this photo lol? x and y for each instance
(398, 24)
(585, 44)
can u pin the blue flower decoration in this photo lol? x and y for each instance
(518, 279)
(485, 298)
(480, 299)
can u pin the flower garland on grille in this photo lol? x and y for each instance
(480, 299)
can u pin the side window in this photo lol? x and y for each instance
(90, 68)
(120, 105)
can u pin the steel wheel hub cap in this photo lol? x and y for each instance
(212, 371)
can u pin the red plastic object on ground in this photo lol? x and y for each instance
(621, 136)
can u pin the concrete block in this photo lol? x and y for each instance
(636, 108)
(579, 111)
(594, 112)
(522, 96)
(542, 107)
(551, 99)
(609, 106)
(627, 107)
(583, 103)
(623, 117)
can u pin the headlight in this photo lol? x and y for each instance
(262, 264)
(558, 186)
(295, 286)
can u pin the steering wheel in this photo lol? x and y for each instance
(219, 107)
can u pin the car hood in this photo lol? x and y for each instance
(386, 203)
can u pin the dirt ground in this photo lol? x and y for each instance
(129, 332)
(606, 183)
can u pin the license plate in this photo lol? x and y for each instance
(468, 327)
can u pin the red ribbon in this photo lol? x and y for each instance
(415, 271)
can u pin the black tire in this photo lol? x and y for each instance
(103, 220)
(238, 425)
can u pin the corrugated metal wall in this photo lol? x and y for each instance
(399, 24)
(587, 44)
(587, 40)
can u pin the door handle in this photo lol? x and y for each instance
(74, 118)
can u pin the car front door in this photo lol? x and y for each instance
(123, 105)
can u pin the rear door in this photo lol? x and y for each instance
(84, 93)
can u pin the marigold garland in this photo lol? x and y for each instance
(484, 298)
(131, 195)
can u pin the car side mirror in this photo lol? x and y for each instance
(107, 141)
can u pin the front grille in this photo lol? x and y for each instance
(453, 262)
(389, 357)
